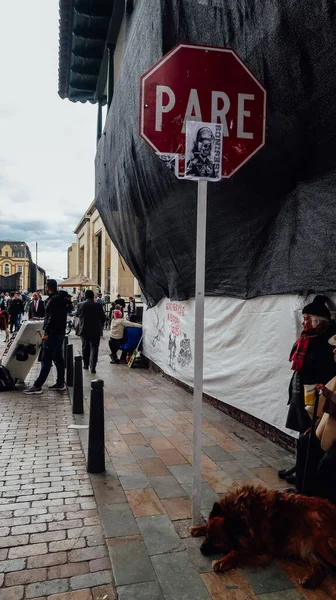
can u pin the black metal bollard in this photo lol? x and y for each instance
(96, 449)
(65, 345)
(77, 395)
(69, 366)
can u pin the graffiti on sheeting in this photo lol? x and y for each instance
(177, 337)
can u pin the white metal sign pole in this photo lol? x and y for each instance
(198, 351)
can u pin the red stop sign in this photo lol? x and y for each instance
(205, 84)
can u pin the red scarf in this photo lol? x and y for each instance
(299, 351)
(300, 348)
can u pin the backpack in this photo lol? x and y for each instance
(6, 380)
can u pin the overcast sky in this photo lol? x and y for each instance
(47, 145)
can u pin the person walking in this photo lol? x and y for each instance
(119, 301)
(16, 310)
(56, 309)
(131, 309)
(91, 320)
(36, 307)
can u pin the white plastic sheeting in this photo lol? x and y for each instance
(246, 349)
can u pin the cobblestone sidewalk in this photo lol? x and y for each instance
(56, 537)
(51, 542)
(144, 497)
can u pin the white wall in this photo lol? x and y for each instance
(247, 346)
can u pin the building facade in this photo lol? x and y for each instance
(18, 272)
(15, 257)
(94, 255)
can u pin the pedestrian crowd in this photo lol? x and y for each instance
(90, 318)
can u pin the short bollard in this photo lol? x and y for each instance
(65, 345)
(77, 395)
(96, 449)
(69, 366)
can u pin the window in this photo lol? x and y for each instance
(6, 254)
(20, 254)
(6, 269)
(19, 269)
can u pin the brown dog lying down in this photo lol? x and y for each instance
(251, 526)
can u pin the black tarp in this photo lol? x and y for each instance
(10, 283)
(271, 228)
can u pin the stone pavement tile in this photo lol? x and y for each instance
(178, 578)
(85, 554)
(90, 580)
(142, 452)
(68, 570)
(135, 439)
(109, 492)
(29, 550)
(183, 473)
(264, 581)
(153, 467)
(130, 561)
(286, 595)
(160, 443)
(166, 486)
(47, 588)
(295, 572)
(159, 534)
(26, 576)
(134, 480)
(140, 591)
(202, 563)
(172, 457)
(17, 564)
(270, 477)
(99, 564)
(80, 595)
(219, 481)
(144, 502)
(235, 470)
(182, 528)
(150, 432)
(103, 592)
(178, 508)
(209, 496)
(217, 454)
(47, 560)
(248, 460)
(127, 427)
(13, 593)
(231, 586)
(118, 520)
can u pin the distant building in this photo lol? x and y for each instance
(94, 255)
(17, 270)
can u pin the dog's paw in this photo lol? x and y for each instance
(219, 565)
(196, 531)
(308, 582)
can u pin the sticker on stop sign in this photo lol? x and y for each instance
(204, 84)
(203, 158)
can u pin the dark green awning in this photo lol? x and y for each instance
(83, 30)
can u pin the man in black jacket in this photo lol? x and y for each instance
(91, 320)
(56, 310)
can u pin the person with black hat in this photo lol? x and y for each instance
(312, 362)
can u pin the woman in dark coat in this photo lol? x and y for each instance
(312, 362)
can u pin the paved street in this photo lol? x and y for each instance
(60, 528)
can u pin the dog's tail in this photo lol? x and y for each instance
(327, 551)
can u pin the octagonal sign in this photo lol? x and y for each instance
(207, 84)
